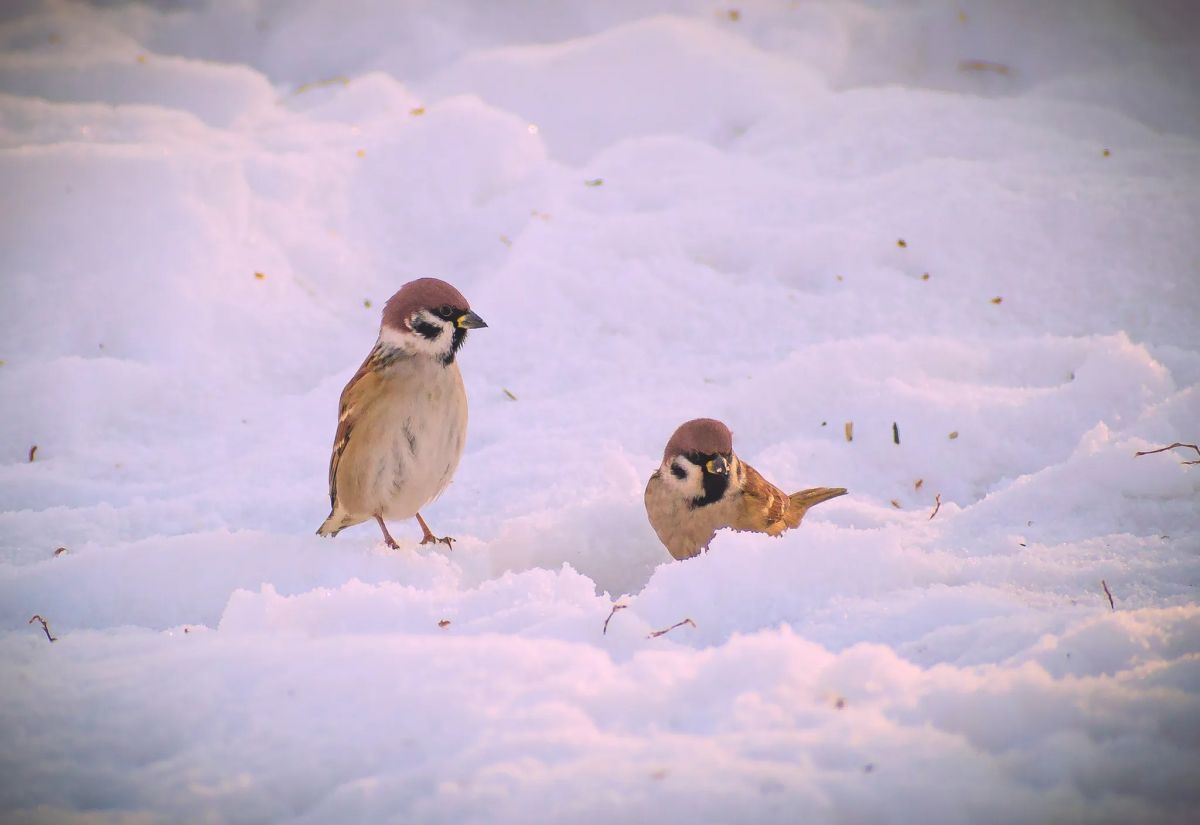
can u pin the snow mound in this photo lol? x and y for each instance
(942, 255)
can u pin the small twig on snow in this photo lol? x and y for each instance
(32, 453)
(658, 633)
(45, 626)
(1172, 447)
(1108, 593)
(937, 505)
(340, 80)
(982, 66)
(612, 613)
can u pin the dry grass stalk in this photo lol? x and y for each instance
(664, 631)
(45, 626)
(1108, 593)
(615, 608)
(1135, 455)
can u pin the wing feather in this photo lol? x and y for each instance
(362, 386)
(763, 505)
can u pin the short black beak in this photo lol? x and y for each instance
(469, 320)
(717, 466)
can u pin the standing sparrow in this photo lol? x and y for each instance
(702, 487)
(402, 420)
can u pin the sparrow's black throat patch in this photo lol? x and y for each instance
(456, 341)
(715, 484)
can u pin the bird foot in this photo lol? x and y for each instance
(430, 538)
(387, 537)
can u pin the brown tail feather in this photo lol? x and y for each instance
(336, 523)
(800, 502)
(329, 527)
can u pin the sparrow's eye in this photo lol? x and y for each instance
(446, 311)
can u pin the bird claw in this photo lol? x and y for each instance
(387, 537)
(430, 538)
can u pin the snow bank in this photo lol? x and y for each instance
(976, 222)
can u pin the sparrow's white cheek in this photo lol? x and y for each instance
(394, 337)
(409, 340)
(691, 484)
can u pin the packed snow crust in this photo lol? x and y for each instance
(969, 218)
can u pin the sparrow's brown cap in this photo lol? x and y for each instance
(423, 293)
(700, 435)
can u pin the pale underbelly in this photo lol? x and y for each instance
(414, 461)
(407, 479)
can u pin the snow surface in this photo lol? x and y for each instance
(737, 255)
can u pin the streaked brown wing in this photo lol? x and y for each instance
(763, 504)
(361, 386)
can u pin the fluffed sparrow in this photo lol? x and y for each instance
(702, 486)
(402, 421)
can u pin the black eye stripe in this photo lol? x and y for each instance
(427, 330)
